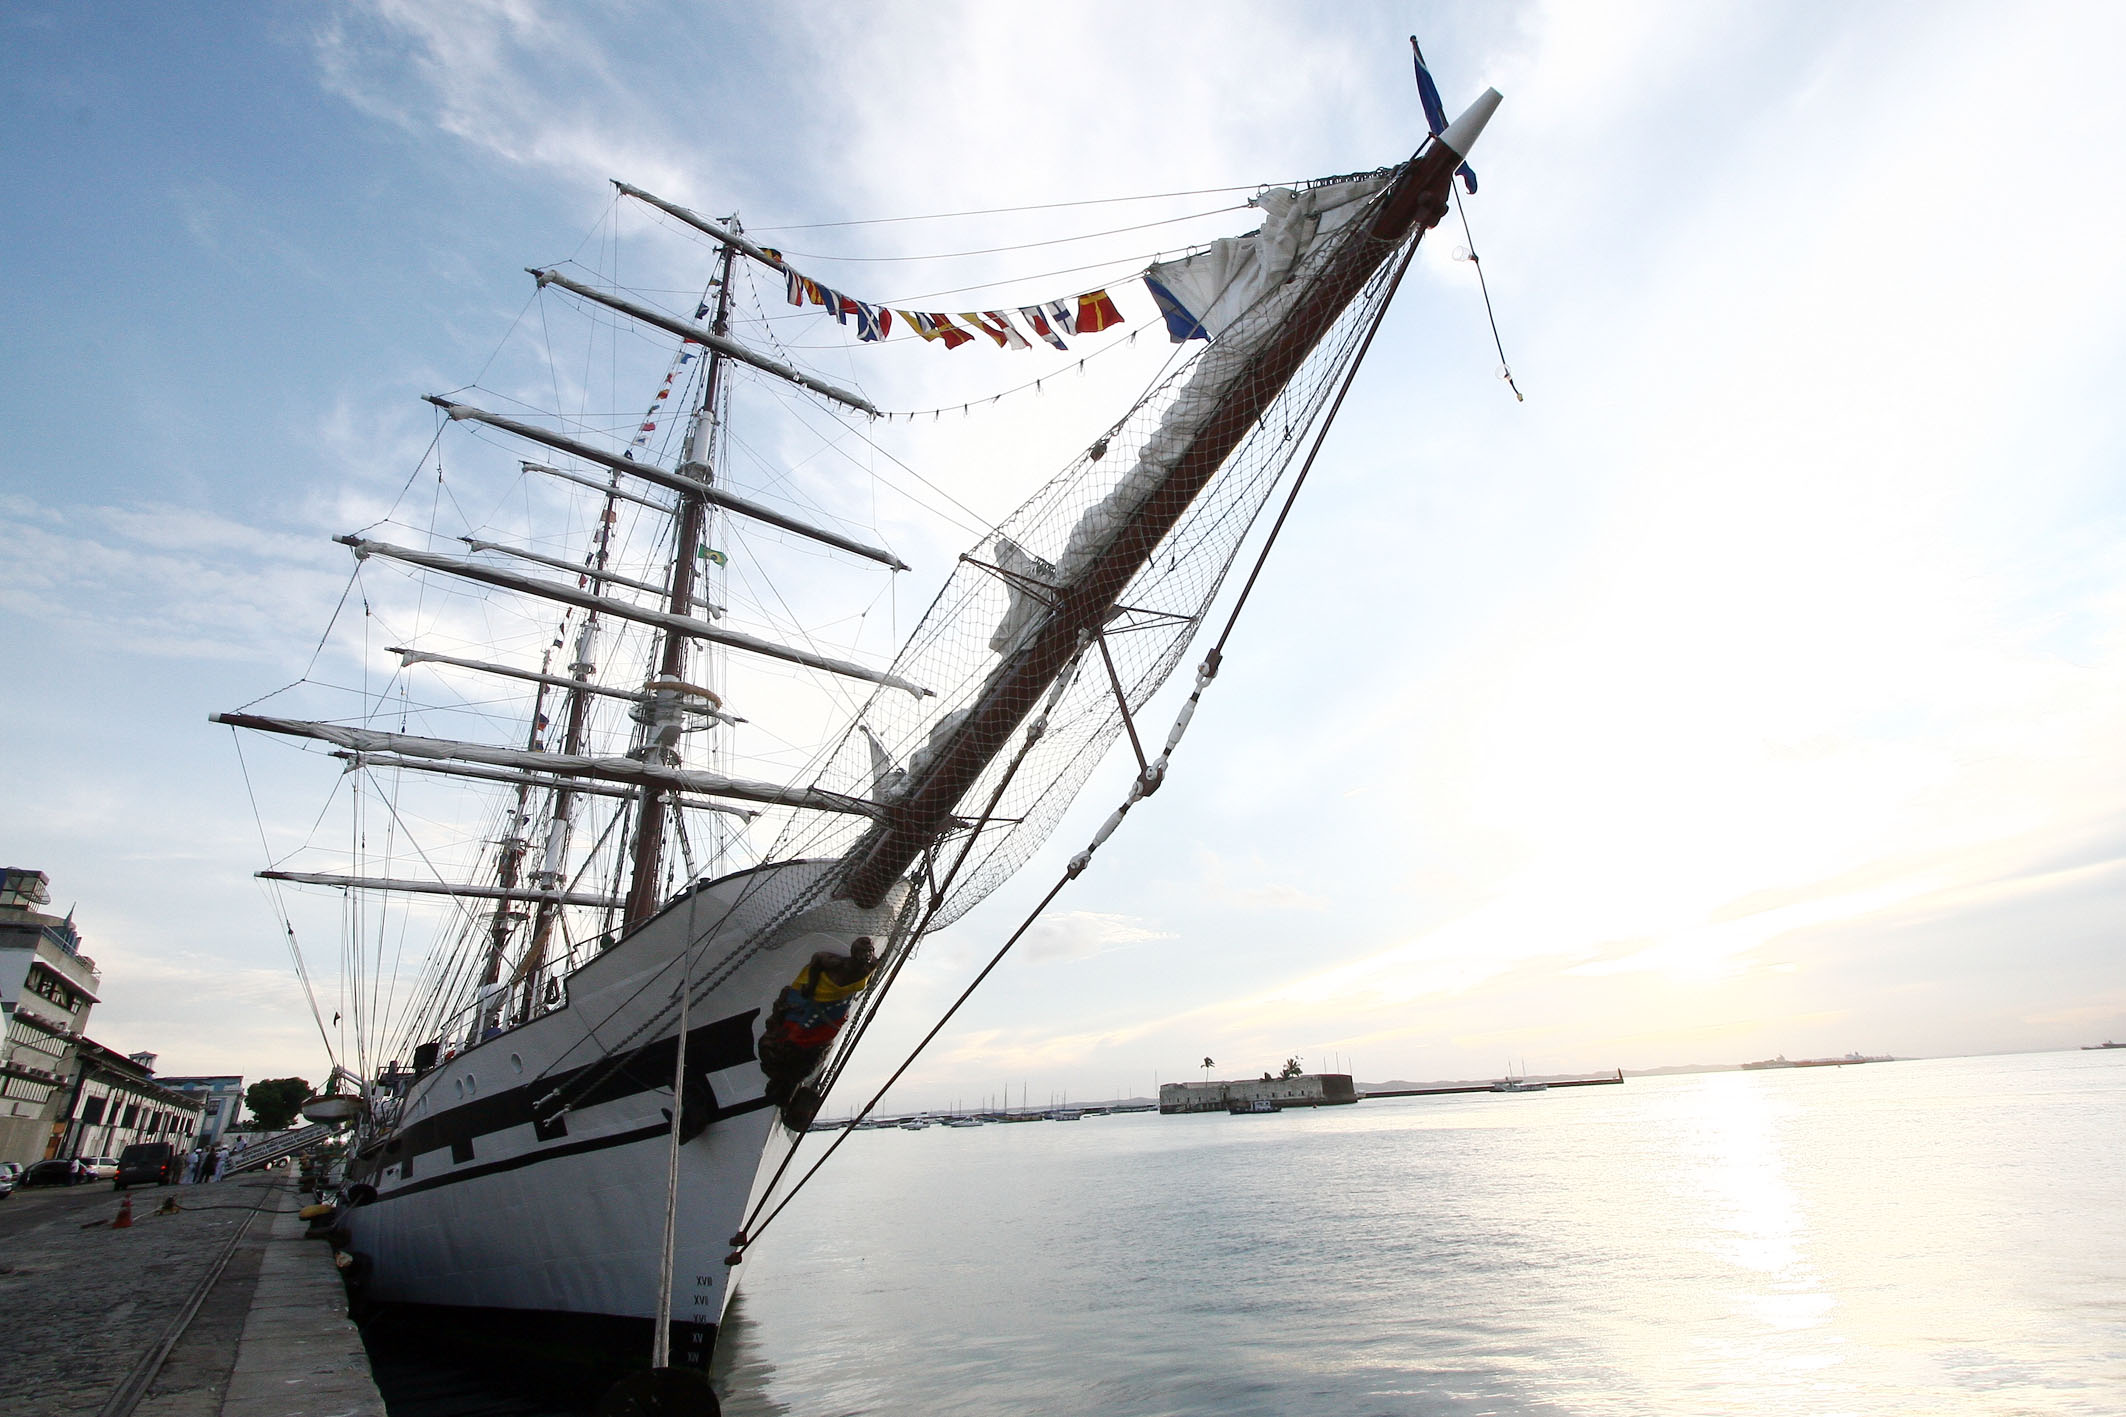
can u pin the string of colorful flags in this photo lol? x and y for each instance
(662, 400)
(1049, 320)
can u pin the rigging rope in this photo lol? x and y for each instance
(1505, 371)
(1021, 246)
(295, 950)
(1148, 781)
(1038, 207)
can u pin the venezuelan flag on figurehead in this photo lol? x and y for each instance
(1435, 112)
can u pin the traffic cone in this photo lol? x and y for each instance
(125, 1215)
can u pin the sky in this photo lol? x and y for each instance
(1753, 687)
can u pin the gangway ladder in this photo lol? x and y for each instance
(273, 1148)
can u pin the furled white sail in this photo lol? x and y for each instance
(1239, 290)
(1231, 276)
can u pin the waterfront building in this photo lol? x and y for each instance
(1299, 1090)
(47, 987)
(222, 1099)
(116, 1101)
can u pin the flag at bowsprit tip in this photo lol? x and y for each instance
(1435, 111)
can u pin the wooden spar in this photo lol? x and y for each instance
(1412, 203)
(537, 558)
(513, 846)
(715, 231)
(389, 763)
(710, 339)
(621, 770)
(584, 600)
(596, 486)
(645, 893)
(681, 482)
(410, 657)
(380, 883)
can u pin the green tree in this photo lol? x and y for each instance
(1292, 1069)
(275, 1101)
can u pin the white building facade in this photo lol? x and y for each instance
(47, 987)
(116, 1102)
(221, 1098)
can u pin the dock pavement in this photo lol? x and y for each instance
(221, 1309)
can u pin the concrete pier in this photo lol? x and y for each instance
(221, 1309)
(1615, 1079)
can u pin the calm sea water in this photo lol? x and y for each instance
(1925, 1237)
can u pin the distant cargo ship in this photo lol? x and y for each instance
(1783, 1062)
(2099, 1047)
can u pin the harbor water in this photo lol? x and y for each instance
(1914, 1237)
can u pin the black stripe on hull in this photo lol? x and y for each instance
(726, 1043)
(574, 1148)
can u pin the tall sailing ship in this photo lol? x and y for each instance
(648, 975)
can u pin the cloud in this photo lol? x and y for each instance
(159, 581)
(1081, 934)
(514, 79)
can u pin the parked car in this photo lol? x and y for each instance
(60, 1172)
(10, 1177)
(148, 1163)
(101, 1168)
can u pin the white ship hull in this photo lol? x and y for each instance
(480, 1199)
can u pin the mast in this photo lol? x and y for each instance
(513, 847)
(661, 719)
(562, 821)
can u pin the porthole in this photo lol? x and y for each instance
(472, 1084)
(516, 1062)
(459, 1084)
